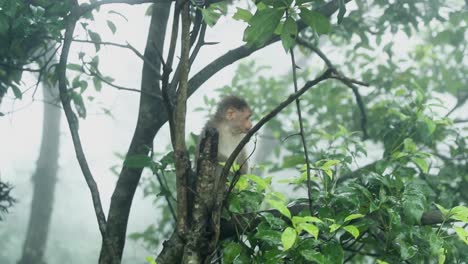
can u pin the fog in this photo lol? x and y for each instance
(74, 235)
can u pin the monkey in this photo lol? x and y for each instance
(232, 121)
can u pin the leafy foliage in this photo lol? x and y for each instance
(6, 201)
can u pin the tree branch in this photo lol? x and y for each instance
(269, 116)
(301, 130)
(182, 163)
(347, 81)
(84, 8)
(73, 125)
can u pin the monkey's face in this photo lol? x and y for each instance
(239, 120)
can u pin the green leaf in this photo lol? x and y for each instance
(459, 213)
(334, 227)
(289, 34)
(315, 20)
(330, 163)
(353, 216)
(442, 209)
(111, 26)
(96, 39)
(117, 13)
(301, 2)
(137, 161)
(242, 184)
(421, 163)
(381, 262)
(354, 231)
(333, 252)
(242, 14)
(74, 67)
(442, 255)
(299, 219)
(292, 161)
(262, 26)
(230, 252)
(78, 102)
(413, 202)
(280, 207)
(462, 234)
(150, 260)
(97, 84)
(309, 228)
(288, 238)
(17, 92)
(210, 16)
(262, 184)
(277, 3)
(312, 255)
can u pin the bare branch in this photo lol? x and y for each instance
(460, 102)
(347, 81)
(301, 130)
(118, 87)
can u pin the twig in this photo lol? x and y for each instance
(301, 131)
(289, 136)
(118, 87)
(269, 116)
(347, 81)
(165, 189)
(13, 67)
(167, 69)
(196, 26)
(44, 68)
(124, 46)
(460, 102)
(237, 174)
(83, 8)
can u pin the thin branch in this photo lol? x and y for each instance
(124, 46)
(196, 26)
(200, 43)
(167, 69)
(269, 116)
(237, 173)
(118, 87)
(347, 81)
(458, 121)
(146, 60)
(18, 68)
(343, 79)
(301, 131)
(166, 195)
(84, 8)
(460, 102)
(73, 125)
(44, 68)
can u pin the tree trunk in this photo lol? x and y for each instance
(44, 181)
(151, 116)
